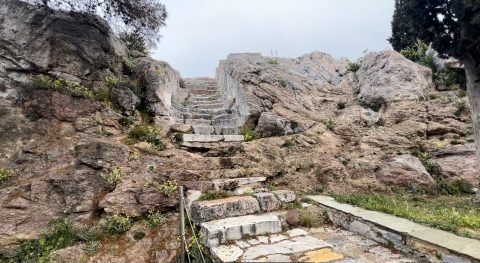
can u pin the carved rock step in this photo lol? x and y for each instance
(215, 111)
(212, 138)
(215, 130)
(203, 211)
(204, 92)
(221, 231)
(212, 98)
(231, 184)
(233, 122)
(206, 105)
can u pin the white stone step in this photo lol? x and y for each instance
(208, 210)
(215, 130)
(233, 122)
(206, 105)
(221, 231)
(198, 121)
(212, 138)
(206, 98)
(231, 184)
(215, 111)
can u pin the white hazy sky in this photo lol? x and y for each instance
(199, 33)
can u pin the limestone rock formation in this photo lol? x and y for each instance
(404, 170)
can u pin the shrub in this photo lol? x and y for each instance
(288, 143)
(134, 42)
(168, 188)
(249, 133)
(126, 121)
(118, 224)
(461, 108)
(153, 219)
(213, 195)
(433, 169)
(457, 187)
(5, 174)
(58, 234)
(330, 124)
(147, 133)
(67, 87)
(461, 93)
(353, 66)
(114, 177)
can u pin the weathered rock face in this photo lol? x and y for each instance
(161, 84)
(68, 46)
(387, 76)
(404, 170)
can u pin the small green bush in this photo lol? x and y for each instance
(213, 195)
(154, 218)
(118, 224)
(249, 133)
(147, 133)
(5, 175)
(114, 177)
(457, 187)
(168, 188)
(139, 235)
(67, 87)
(288, 143)
(433, 169)
(461, 107)
(461, 93)
(330, 124)
(353, 66)
(126, 121)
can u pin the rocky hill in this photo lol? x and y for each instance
(90, 130)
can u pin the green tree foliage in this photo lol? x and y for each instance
(142, 17)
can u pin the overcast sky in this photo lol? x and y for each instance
(199, 33)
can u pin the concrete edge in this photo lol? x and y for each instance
(399, 233)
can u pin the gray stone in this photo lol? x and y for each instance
(212, 138)
(125, 98)
(295, 245)
(270, 124)
(203, 211)
(285, 196)
(225, 253)
(192, 196)
(220, 231)
(297, 232)
(277, 238)
(273, 258)
(181, 127)
(387, 76)
(231, 184)
(267, 201)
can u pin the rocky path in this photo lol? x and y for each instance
(250, 226)
(209, 112)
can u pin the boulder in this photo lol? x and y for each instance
(161, 83)
(268, 202)
(69, 46)
(285, 196)
(404, 170)
(181, 127)
(458, 162)
(388, 76)
(270, 124)
(125, 98)
(98, 154)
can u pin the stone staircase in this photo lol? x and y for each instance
(249, 226)
(209, 113)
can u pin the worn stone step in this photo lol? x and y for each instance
(203, 211)
(204, 92)
(215, 130)
(231, 184)
(233, 122)
(205, 102)
(206, 105)
(216, 111)
(212, 138)
(221, 231)
(198, 121)
(212, 98)
(225, 116)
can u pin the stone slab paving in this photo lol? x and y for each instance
(442, 239)
(329, 244)
(212, 138)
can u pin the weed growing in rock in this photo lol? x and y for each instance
(461, 108)
(168, 188)
(288, 143)
(71, 88)
(139, 235)
(147, 133)
(59, 233)
(457, 187)
(153, 218)
(114, 177)
(353, 67)
(126, 121)
(461, 93)
(213, 195)
(330, 124)
(118, 224)
(5, 175)
(432, 168)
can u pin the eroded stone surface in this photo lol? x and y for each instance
(203, 211)
(267, 201)
(285, 196)
(229, 253)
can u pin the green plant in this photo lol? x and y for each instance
(294, 126)
(58, 234)
(457, 187)
(308, 219)
(330, 124)
(134, 42)
(139, 235)
(118, 224)
(213, 195)
(147, 133)
(168, 188)
(249, 133)
(151, 168)
(433, 169)
(292, 205)
(353, 66)
(461, 93)
(461, 107)
(288, 143)
(5, 174)
(114, 177)
(67, 87)
(126, 121)
(91, 247)
(153, 218)
(178, 137)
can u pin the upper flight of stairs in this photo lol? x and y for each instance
(209, 112)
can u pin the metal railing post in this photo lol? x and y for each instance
(182, 223)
